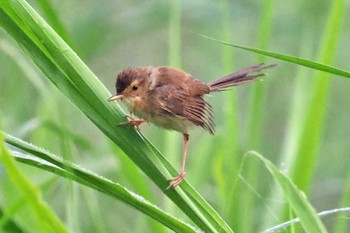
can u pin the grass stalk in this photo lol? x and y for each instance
(309, 219)
(255, 124)
(294, 127)
(45, 160)
(341, 224)
(227, 159)
(311, 133)
(46, 219)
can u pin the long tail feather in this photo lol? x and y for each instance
(238, 78)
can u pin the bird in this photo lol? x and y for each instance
(173, 99)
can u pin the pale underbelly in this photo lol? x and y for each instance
(167, 121)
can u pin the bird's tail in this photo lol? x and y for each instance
(237, 78)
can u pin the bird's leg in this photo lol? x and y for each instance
(178, 179)
(134, 122)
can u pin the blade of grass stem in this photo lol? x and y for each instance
(342, 224)
(136, 182)
(288, 58)
(295, 197)
(227, 157)
(258, 93)
(52, 17)
(309, 142)
(325, 213)
(27, 69)
(311, 133)
(256, 115)
(195, 197)
(52, 163)
(308, 138)
(171, 145)
(95, 211)
(6, 222)
(46, 218)
(294, 126)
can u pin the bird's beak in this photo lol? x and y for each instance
(115, 97)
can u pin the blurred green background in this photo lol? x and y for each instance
(112, 35)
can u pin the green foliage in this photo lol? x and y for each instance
(105, 37)
(46, 219)
(296, 199)
(49, 162)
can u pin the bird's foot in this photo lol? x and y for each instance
(175, 181)
(134, 122)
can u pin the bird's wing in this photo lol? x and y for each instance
(181, 103)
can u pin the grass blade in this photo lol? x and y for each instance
(52, 17)
(297, 220)
(228, 158)
(256, 120)
(341, 223)
(288, 58)
(296, 198)
(7, 224)
(46, 218)
(52, 163)
(310, 135)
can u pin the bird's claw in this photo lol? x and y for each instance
(134, 122)
(175, 181)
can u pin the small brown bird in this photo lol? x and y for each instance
(173, 99)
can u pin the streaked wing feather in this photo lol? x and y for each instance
(193, 108)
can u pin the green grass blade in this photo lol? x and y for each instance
(65, 69)
(313, 126)
(295, 197)
(174, 56)
(26, 67)
(52, 163)
(284, 225)
(171, 145)
(295, 118)
(53, 19)
(256, 121)
(227, 158)
(341, 223)
(258, 92)
(137, 183)
(288, 58)
(188, 192)
(7, 224)
(46, 218)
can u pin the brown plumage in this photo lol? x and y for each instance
(172, 99)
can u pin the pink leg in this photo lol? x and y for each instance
(178, 179)
(134, 122)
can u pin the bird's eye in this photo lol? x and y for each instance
(134, 88)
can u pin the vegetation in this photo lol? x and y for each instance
(280, 150)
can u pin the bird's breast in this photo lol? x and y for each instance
(156, 115)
